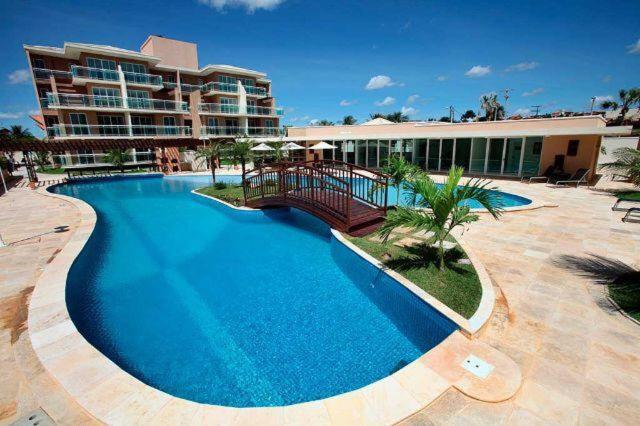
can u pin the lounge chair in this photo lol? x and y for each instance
(616, 207)
(580, 176)
(633, 215)
(552, 174)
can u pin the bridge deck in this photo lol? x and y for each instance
(365, 219)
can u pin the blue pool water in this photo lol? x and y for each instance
(235, 308)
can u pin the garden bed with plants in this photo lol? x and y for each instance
(229, 193)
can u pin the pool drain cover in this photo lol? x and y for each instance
(476, 366)
(35, 418)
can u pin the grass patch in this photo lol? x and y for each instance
(51, 170)
(628, 195)
(232, 193)
(628, 299)
(457, 286)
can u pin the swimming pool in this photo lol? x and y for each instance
(235, 308)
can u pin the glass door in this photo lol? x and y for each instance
(512, 156)
(383, 160)
(478, 154)
(531, 158)
(446, 159)
(420, 154)
(372, 154)
(463, 152)
(495, 156)
(434, 154)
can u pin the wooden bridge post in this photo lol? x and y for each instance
(261, 172)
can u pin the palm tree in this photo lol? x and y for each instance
(349, 120)
(399, 170)
(42, 158)
(375, 115)
(397, 117)
(493, 110)
(117, 157)
(278, 154)
(324, 123)
(240, 152)
(627, 99)
(468, 115)
(211, 154)
(442, 208)
(19, 132)
(627, 160)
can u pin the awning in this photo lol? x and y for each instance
(262, 147)
(322, 145)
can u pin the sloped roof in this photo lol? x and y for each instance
(377, 122)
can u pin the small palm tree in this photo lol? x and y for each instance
(19, 132)
(442, 208)
(278, 153)
(211, 154)
(117, 157)
(42, 158)
(349, 120)
(240, 152)
(397, 117)
(627, 160)
(399, 170)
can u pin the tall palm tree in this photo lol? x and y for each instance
(19, 132)
(349, 120)
(117, 157)
(627, 98)
(627, 160)
(397, 117)
(211, 153)
(241, 152)
(399, 170)
(442, 208)
(493, 110)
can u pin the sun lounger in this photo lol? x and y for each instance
(617, 208)
(580, 176)
(633, 215)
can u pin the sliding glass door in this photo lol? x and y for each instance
(372, 154)
(434, 154)
(446, 157)
(384, 153)
(496, 147)
(531, 157)
(463, 152)
(512, 156)
(478, 155)
(420, 154)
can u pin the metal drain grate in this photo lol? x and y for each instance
(35, 418)
(477, 366)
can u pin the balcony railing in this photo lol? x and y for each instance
(84, 130)
(75, 159)
(44, 74)
(91, 101)
(218, 109)
(215, 86)
(44, 103)
(188, 88)
(221, 131)
(255, 90)
(258, 110)
(264, 131)
(94, 73)
(146, 79)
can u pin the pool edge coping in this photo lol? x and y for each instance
(109, 394)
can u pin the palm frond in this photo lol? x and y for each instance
(406, 217)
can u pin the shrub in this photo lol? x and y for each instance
(220, 185)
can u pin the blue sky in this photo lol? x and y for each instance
(321, 56)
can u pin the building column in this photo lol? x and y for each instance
(426, 159)
(504, 153)
(125, 100)
(243, 122)
(486, 155)
(453, 155)
(471, 155)
(440, 155)
(522, 147)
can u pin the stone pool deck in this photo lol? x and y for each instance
(577, 356)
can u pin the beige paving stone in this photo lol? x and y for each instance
(407, 242)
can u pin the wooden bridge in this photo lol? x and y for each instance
(349, 198)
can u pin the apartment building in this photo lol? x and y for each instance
(89, 91)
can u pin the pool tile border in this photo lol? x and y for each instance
(111, 395)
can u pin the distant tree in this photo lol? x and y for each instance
(278, 153)
(493, 110)
(41, 159)
(324, 123)
(349, 120)
(116, 157)
(211, 154)
(397, 117)
(19, 132)
(627, 98)
(375, 115)
(240, 152)
(445, 119)
(468, 115)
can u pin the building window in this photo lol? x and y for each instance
(131, 67)
(103, 64)
(537, 148)
(247, 82)
(112, 125)
(572, 149)
(228, 101)
(38, 63)
(227, 79)
(138, 94)
(269, 123)
(78, 124)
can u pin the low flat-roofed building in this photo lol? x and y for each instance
(492, 148)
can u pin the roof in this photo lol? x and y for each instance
(377, 121)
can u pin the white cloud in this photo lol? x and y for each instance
(411, 99)
(381, 81)
(603, 98)
(409, 110)
(386, 101)
(11, 115)
(346, 102)
(533, 92)
(522, 66)
(522, 111)
(478, 71)
(606, 79)
(634, 48)
(250, 5)
(442, 78)
(314, 121)
(19, 76)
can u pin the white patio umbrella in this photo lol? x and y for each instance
(322, 145)
(262, 147)
(291, 146)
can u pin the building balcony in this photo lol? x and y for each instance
(224, 109)
(260, 92)
(83, 75)
(84, 131)
(138, 79)
(99, 159)
(264, 131)
(221, 131)
(264, 111)
(213, 87)
(45, 74)
(74, 101)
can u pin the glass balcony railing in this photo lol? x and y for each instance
(44, 103)
(255, 90)
(91, 101)
(220, 87)
(218, 109)
(85, 130)
(264, 131)
(221, 131)
(44, 74)
(188, 88)
(144, 79)
(258, 110)
(94, 73)
(75, 159)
